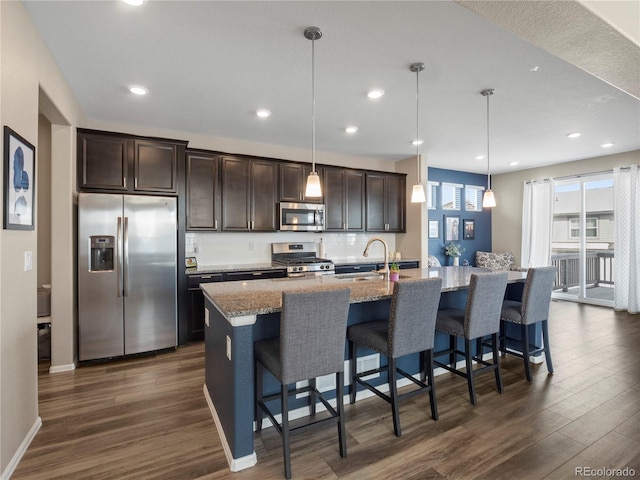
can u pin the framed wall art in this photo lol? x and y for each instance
(451, 228)
(468, 229)
(19, 182)
(434, 229)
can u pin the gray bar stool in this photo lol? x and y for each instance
(533, 308)
(409, 329)
(480, 318)
(311, 344)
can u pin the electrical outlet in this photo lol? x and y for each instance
(252, 246)
(228, 347)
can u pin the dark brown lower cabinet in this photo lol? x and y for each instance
(196, 304)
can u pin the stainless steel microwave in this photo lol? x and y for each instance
(301, 217)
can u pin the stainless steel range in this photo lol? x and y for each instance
(301, 259)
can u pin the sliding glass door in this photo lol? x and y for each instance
(582, 239)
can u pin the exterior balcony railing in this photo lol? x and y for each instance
(599, 269)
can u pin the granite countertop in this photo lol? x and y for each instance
(248, 267)
(256, 297)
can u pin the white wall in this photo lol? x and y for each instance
(508, 188)
(26, 67)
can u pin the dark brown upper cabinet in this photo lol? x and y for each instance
(344, 200)
(249, 194)
(386, 199)
(113, 162)
(293, 183)
(203, 190)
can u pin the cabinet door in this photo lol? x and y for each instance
(264, 177)
(196, 304)
(385, 203)
(395, 201)
(235, 194)
(376, 218)
(155, 166)
(334, 188)
(103, 161)
(291, 180)
(293, 183)
(354, 195)
(202, 191)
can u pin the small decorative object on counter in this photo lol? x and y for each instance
(454, 250)
(394, 272)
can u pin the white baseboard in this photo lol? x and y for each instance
(235, 464)
(22, 449)
(62, 368)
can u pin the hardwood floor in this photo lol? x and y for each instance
(146, 418)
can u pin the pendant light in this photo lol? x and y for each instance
(417, 194)
(313, 188)
(488, 199)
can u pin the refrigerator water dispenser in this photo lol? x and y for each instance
(102, 253)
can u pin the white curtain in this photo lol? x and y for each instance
(626, 203)
(537, 221)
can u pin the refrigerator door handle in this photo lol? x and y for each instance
(119, 256)
(125, 243)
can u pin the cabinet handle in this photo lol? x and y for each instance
(125, 182)
(386, 227)
(135, 182)
(205, 276)
(256, 274)
(215, 224)
(344, 225)
(248, 225)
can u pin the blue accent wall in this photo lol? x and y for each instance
(482, 240)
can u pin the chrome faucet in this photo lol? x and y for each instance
(385, 270)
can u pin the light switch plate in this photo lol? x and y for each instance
(28, 261)
(228, 347)
(206, 317)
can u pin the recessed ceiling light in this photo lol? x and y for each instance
(263, 113)
(513, 164)
(138, 90)
(135, 3)
(574, 135)
(534, 69)
(375, 93)
(479, 157)
(417, 142)
(607, 145)
(351, 129)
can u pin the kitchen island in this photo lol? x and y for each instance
(240, 313)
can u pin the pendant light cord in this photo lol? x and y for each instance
(418, 123)
(313, 105)
(488, 158)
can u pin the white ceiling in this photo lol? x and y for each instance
(209, 65)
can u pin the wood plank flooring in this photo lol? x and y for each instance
(146, 418)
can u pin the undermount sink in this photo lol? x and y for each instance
(359, 276)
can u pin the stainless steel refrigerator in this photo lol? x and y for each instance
(127, 274)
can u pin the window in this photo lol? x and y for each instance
(473, 198)
(591, 227)
(451, 196)
(432, 194)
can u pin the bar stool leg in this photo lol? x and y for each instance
(547, 349)
(340, 406)
(428, 368)
(524, 329)
(312, 396)
(469, 365)
(353, 349)
(393, 392)
(452, 347)
(258, 389)
(285, 430)
(496, 362)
